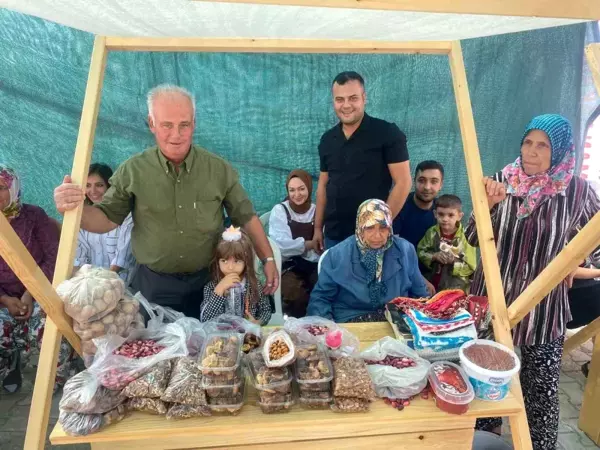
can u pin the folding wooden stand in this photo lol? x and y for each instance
(420, 426)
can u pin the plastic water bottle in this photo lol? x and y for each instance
(234, 301)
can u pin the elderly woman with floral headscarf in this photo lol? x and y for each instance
(537, 206)
(21, 319)
(364, 272)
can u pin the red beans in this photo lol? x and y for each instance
(317, 330)
(140, 348)
(394, 361)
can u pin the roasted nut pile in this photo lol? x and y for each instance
(317, 330)
(394, 361)
(352, 379)
(152, 384)
(75, 397)
(185, 385)
(139, 348)
(220, 352)
(278, 349)
(147, 405)
(350, 404)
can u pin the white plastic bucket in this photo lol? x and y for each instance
(489, 385)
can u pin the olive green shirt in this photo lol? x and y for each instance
(177, 217)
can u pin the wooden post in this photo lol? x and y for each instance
(42, 393)
(592, 53)
(570, 257)
(582, 336)
(491, 267)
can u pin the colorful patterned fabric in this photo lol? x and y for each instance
(370, 213)
(536, 188)
(430, 325)
(13, 185)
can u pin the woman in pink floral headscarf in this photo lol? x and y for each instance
(21, 319)
(537, 205)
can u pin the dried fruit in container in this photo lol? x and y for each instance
(221, 353)
(452, 390)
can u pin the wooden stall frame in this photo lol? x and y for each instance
(38, 419)
(575, 9)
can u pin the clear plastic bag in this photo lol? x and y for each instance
(91, 294)
(279, 349)
(77, 424)
(309, 329)
(352, 379)
(185, 385)
(195, 334)
(392, 382)
(177, 411)
(350, 405)
(153, 384)
(83, 394)
(147, 405)
(117, 371)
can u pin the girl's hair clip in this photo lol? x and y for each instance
(232, 234)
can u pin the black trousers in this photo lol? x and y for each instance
(183, 291)
(584, 301)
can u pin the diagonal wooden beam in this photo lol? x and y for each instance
(21, 262)
(582, 336)
(573, 9)
(35, 439)
(592, 53)
(483, 221)
(585, 242)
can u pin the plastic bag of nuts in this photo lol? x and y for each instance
(91, 294)
(152, 384)
(177, 411)
(147, 405)
(278, 349)
(352, 379)
(83, 394)
(185, 385)
(119, 361)
(77, 424)
(115, 322)
(350, 404)
(309, 329)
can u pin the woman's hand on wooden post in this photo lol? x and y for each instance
(495, 190)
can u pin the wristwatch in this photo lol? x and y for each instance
(267, 259)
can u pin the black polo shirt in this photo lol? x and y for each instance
(357, 169)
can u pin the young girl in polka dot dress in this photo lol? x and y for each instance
(234, 288)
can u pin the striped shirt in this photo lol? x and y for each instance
(108, 249)
(526, 246)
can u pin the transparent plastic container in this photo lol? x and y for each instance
(267, 380)
(230, 406)
(221, 354)
(313, 370)
(451, 387)
(219, 387)
(315, 403)
(276, 407)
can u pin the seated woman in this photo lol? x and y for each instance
(364, 272)
(110, 250)
(21, 318)
(584, 300)
(291, 226)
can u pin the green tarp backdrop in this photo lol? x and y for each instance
(265, 113)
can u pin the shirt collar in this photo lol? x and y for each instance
(364, 125)
(187, 163)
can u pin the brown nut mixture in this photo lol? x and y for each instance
(278, 350)
(153, 384)
(147, 405)
(177, 411)
(352, 379)
(185, 386)
(221, 352)
(350, 404)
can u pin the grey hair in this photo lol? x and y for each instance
(168, 89)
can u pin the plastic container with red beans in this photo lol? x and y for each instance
(451, 387)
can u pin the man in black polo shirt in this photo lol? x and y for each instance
(360, 158)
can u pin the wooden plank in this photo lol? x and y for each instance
(575, 9)
(487, 245)
(456, 439)
(42, 392)
(585, 242)
(21, 262)
(583, 335)
(589, 417)
(274, 45)
(592, 53)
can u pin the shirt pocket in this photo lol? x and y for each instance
(208, 212)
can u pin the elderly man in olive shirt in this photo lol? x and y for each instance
(176, 192)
